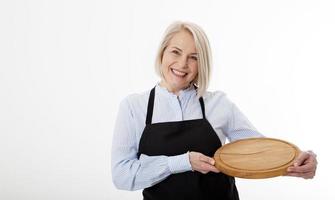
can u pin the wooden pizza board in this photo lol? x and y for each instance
(256, 158)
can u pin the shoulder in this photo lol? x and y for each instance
(218, 102)
(135, 102)
(216, 97)
(214, 94)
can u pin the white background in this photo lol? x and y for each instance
(65, 66)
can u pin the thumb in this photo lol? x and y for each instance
(212, 161)
(301, 159)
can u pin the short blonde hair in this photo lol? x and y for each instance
(203, 50)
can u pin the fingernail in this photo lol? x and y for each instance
(295, 164)
(212, 162)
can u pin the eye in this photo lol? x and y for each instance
(194, 58)
(175, 52)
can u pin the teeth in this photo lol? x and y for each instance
(178, 73)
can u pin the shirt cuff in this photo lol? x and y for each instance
(180, 163)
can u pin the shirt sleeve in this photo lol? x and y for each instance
(239, 127)
(130, 172)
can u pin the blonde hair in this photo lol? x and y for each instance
(203, 50)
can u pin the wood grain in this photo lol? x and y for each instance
(256, 158)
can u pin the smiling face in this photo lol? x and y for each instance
(179, 62)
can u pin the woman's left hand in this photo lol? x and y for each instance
(304, 166)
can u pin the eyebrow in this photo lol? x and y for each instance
(182, 50)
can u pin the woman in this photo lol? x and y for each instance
(165, 138)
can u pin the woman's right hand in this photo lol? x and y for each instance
(202, 163)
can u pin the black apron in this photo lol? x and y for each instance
(178, 137)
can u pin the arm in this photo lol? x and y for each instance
(239, 127)
(130, 172)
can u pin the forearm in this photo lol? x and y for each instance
(135, 174)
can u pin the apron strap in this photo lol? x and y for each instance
(202, 104)
(150, 107)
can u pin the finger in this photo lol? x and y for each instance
(309, 167)
(293, 174)
(207, 159)
(208, 167)
(301, 159)
(215, 170)
(302, 175)
(308, 174)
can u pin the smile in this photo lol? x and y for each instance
(178, 73)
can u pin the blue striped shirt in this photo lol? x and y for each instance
(132, 173)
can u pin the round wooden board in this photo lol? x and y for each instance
(256, 158)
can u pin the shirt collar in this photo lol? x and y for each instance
(182, 94)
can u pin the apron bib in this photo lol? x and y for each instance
(178, 137)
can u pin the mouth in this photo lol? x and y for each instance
(178, 73)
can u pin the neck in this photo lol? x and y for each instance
(170, 88)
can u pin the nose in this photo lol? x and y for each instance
(183, 61)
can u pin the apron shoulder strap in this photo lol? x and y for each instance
(202, 104)
(150, 107)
